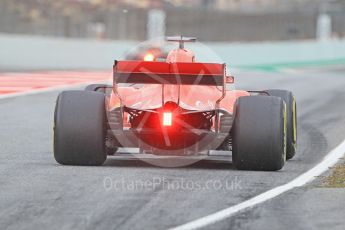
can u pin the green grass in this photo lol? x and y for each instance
(303, 64)
(337, 177)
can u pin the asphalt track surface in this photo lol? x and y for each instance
(37, 193)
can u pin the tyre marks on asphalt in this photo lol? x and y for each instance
(14, 83)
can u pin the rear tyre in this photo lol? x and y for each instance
(79, 128)
(259, 138)
(291, 142)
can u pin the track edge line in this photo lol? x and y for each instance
(328, 161)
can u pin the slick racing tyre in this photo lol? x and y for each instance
(259, 133)
(79, 128)
(291, 142)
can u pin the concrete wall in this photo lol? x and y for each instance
(29, 52)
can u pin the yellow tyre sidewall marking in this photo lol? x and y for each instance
(294, 122)
(285, 128)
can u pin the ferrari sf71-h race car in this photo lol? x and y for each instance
(179, 107)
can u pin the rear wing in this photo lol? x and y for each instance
(143, 72)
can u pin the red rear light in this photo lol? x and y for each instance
(167, 119)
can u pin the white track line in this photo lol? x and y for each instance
(330, 160)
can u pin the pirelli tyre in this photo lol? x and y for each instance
(259, 133)
(291, 142)
(79, 128)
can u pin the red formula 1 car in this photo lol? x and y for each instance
(177, 107)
